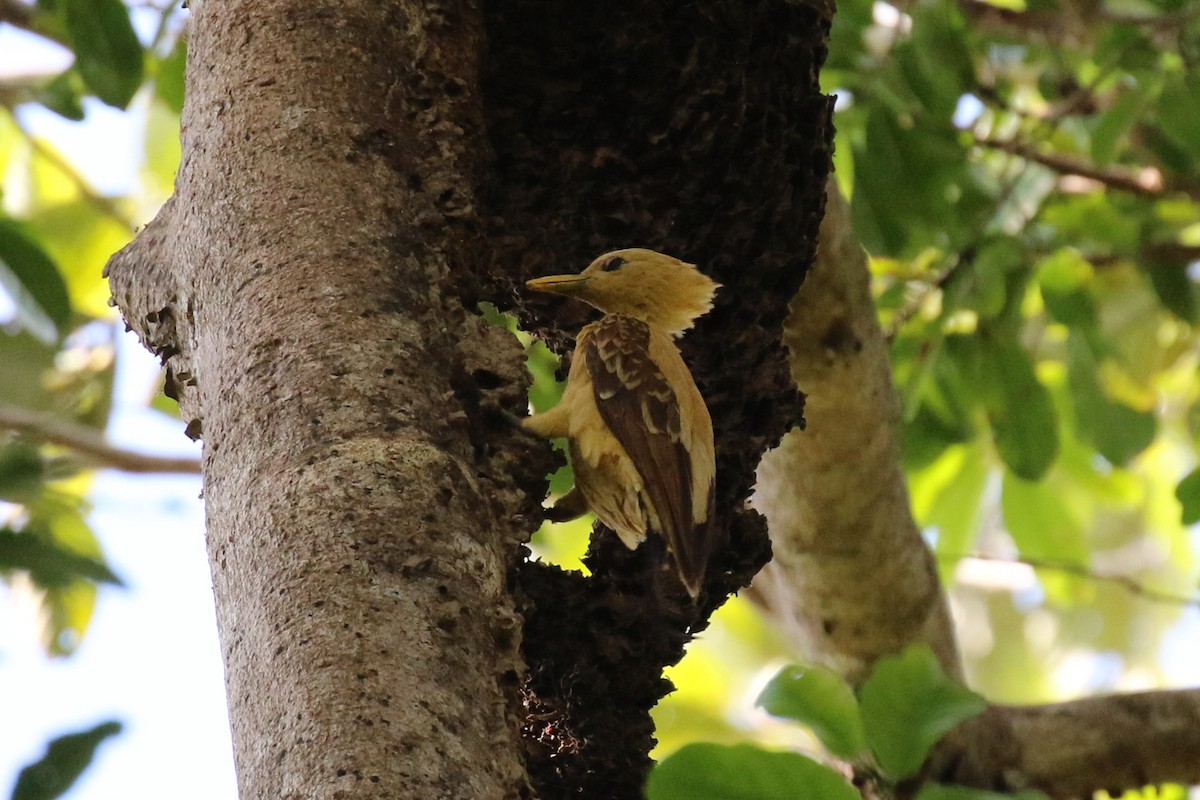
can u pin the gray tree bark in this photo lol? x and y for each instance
(298, 288)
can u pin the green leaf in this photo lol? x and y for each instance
(1188, 493)
(48, 564)
(908, 704)
(822, 700)
(1093, 221)
(26, 362)
(939, 791)
(81, 238)
(948, 401)
(1193, 422)
(64, 95)
(66, 609)
(743, 772)
(913, 187)
(1117, 431)
(927, 436)
(1176, 111)
(1040, 521)
(32, 279)
(935, 63)
(1120, 433)
(956, 506)
(852, 20)
(1114, 125)
(1175, 290)
(22, 473)
(169, 82)
(107, 52)
(1063, 279)
(981, 283)
(65, 760)
(1129, 48)
(1024, 425)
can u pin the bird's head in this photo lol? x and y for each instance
(659, 290)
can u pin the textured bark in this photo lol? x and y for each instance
(851, 580)
(1075, 749)
(303, 290)
(697, 129)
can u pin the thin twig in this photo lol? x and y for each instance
(90, 443)
(1145, 182)
(1080, 571)
(166, 13)
(1169, 19)
(24, 16)
(16, 14)
(933, 284)
(1151, 255)
(105, 205)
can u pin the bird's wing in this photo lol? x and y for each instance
(638, 403)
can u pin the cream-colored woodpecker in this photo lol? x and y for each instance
(641, 439)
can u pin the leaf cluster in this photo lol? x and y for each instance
(884, 732)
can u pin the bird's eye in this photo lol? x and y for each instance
(613, 264)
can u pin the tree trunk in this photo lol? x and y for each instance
(299, 290)
(356, 178)
(852, 580)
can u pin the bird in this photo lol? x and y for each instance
(639, 433)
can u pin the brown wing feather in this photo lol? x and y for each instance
(641, 410)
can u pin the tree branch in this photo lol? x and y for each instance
(835, 496)
(1144, 181)
(1079, 571)
(16, 14)
(90, 443)
(1163, 21)
(1074, 749)
(1044, 26)
(24, 16)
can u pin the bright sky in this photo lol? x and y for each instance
(150, 658)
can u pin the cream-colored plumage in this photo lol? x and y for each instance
(640, 435)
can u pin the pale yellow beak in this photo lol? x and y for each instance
(558, 284)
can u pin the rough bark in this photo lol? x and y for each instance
(302, 291)
(852, 580)
(1074, 749)
(697, 129)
